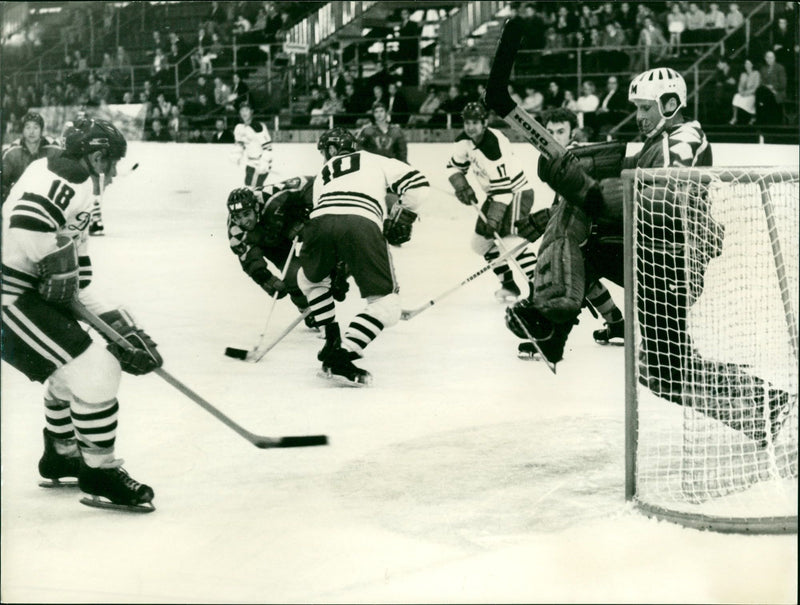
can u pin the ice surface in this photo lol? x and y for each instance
(463, 475)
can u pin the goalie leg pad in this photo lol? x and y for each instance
(58, 271)
(560, 281)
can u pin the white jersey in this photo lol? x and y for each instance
(54, 196)
(254, 140)
(356, 183)
(496, 168)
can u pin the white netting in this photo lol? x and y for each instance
(715, 255)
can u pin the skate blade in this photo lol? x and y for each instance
(614, 342)
(344, 381)
(58, 483)
(97, 502)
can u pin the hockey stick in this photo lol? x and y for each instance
(259, 441)
(258, 353)
(243, 354)
(411, 313)
(498, 241)
(498, 99)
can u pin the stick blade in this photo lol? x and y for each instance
(235, 353)
(295, 441)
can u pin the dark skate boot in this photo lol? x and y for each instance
(112, 487)
(96, 228)
(60, 470)
(508, 293)
(333, 340)
(612, 334)
(338, 366)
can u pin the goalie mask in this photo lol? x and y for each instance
(243, 207)
(336, 141)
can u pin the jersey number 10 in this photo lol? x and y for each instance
(341, 166)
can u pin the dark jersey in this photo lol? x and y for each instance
(390, 144)
(17, 158)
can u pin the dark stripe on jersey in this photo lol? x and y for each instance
(30, 223)
(410, 178)
(462, 166)
(13, 315)
(351, 194)
(345, 203)
(20, 275)
(46, 205)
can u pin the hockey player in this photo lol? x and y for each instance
(262, 225)
(96, 227)
(348, 223)
(562, 124)
(254, 147)
(31, 146)
(45, 266)
(487, 153)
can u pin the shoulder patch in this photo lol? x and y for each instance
(67, 168)
(490, 146)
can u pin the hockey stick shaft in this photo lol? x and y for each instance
(498, 99)
(275, 295)
(411, 313)
(259, 441)
(258, 353)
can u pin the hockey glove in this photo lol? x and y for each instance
(566, 176)
(397, 228)
(141, 356)
(464, 192)
(270, 284)
(339, 284)
(532, 227)
(494, 212)
(58, 272)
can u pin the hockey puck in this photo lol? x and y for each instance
(235, 353)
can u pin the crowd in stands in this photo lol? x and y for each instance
(749, 90)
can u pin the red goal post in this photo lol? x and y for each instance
(711, 302)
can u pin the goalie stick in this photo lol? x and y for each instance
(411, 313)
(260, 441)
(498, 99)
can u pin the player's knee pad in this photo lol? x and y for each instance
(93, 376)
(386, 309)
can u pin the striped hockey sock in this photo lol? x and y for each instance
(502, 271)
(363, 329)
(600, 298)
(57, 417)
(323, 309)
(96, 430)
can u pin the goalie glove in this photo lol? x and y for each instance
(397, 228)
(58, 272)
(270, 284)
(567, 177)
(141, 356)
(494, 212)
(464, 192)
(532, 227)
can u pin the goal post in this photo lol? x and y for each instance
(711, 364)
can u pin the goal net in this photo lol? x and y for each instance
(712, 361)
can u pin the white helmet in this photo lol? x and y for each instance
(658, 85)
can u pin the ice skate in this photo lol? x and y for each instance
(113, 488)
(338, 366)
(96, 228)
(612, 334)
(59, 470)
(508, 293)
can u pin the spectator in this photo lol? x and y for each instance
(222, 93)
(724, 88)
(330, 108)
(217, 17)
(784, 45)
(734, 20)
(695, 24)
(613, 41)
(587, 103)
(745, 97)
(553, 96)
(772, 92)
(106, 69)
(345, 77)
(97, 91)
(553, 59)
(714, 23)
(652, 44)
(643, 12)
(676, 24)
(351, 104)
(565, 25)
(176, 125)
(157, 132)
(203, 86)
(587, 19)
(452, 105)
(164, 105)
(378, 95)
(315, 104)
(127, 97)
(158, 71)
(222, 134)
(606, 14)
(613, 106)
(627, 20)
(397, 104)
(476, 66)
(533, 101)
(569, 101)
(408, 48)
(429, 106)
